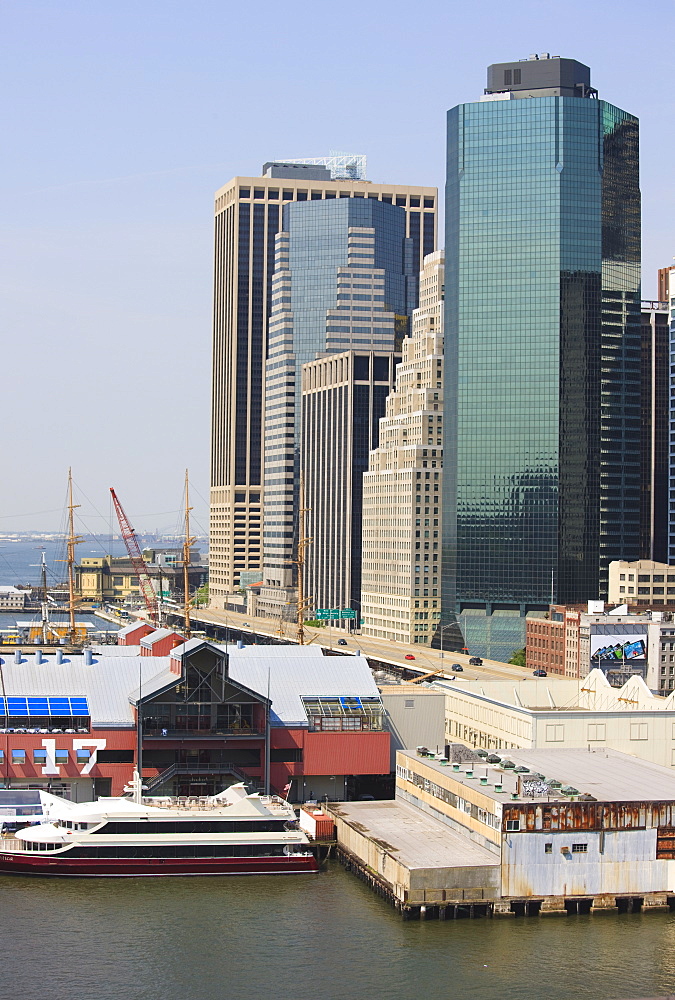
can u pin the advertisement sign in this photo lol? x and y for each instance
(613, 650)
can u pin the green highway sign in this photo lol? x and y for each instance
(348, 613)
(327, 614)
(322, 614)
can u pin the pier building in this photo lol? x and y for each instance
(543, 831)
(306, 725)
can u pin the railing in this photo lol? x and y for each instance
(210, 769)
(161, 732)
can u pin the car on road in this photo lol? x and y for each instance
(409, 656)
(539, 673)
(476, 661)
(342, 642)
(457, 667)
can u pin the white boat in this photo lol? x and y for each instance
(225, 834)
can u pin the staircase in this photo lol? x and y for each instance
(177, 769)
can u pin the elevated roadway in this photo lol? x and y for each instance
(378, 651)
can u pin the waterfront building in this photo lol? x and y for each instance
(542, 401)
(247, 219)
(654, 424)
(565, 825)
(343, 282)
(113, 578)
(132, 634)
(343, 398)
(13, 598)
(415, 716)
(402, 500)
(562, 712)
(69, 720)
(537, 831)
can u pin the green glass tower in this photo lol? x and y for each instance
(542, 341)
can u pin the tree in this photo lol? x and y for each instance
(518, 658)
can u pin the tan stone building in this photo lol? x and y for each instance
(643, 582)
(401, 576)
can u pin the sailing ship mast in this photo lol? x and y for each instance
(186, 558)
(72, 540)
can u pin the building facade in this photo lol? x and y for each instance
(655, 445)
(574, 825)
(343, 398)
(247, 219)
(542, 405)
(643, 583)
(69, 722)
(667, 295)
(400, 591)
(113, 578)
(562, 712)
(343, 281)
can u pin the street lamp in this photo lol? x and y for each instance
(443, 628)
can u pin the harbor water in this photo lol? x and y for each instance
(302, 937)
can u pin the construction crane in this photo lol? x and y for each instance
(137, 561)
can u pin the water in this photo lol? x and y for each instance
(319, 937)
(20, 558)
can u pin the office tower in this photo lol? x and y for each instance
(542, 340)
(667, 295)
(401, 575)
(247, 219)
(344, 280)
(343, 397)
(654, 429)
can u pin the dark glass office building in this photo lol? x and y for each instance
(542, 341)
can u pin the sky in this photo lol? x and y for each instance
(121, 120)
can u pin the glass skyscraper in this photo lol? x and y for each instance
(345, 279)
(542, 341)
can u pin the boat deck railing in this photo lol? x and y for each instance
(206, 804)
(11, 844)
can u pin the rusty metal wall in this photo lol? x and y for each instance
(541, 816)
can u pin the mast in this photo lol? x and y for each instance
(72, 541)
(303, 542)
(44, 608)
(186, 558)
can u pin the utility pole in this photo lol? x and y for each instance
(303, 542)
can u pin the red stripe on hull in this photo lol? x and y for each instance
(130, 867)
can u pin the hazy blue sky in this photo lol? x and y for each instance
(122, 119)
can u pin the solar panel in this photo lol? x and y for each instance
(22, 707)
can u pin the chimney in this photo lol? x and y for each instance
(88, 657)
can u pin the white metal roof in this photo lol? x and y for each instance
(111, 683)
(132, 627)
(106, 683)
(161, 633)
(299, 671)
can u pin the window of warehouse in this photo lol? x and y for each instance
(638, 731)
(555, 734)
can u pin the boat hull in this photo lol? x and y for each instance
(63, 867)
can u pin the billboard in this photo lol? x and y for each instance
(616, 650)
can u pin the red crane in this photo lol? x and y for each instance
(137, 561)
